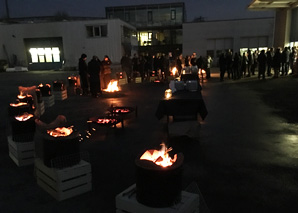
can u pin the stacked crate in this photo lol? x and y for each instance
(66, 182)
(22, 153)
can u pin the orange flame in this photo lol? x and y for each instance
(112, 86)
(160, 157)
(60, 131)
(174, 71)
(121, 110)
(18, 104)
(105, 120)
(24, 117)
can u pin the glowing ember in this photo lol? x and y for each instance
(60, 131)
(18, 104)
(159, 157)
(168, 93)
(201, 71)
(21, 96)
(47, 85)
(174, 71)
(24, 117)
(112, 86)
(106, 120)
(121, 111)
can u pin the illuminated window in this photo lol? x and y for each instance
(56, 54)
(145, 38)
(45, 55)
(48, 53)
(34, 56)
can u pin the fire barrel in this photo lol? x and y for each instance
(22, 129)
(158, 186)
(60, 152)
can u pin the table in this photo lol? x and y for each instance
(182, 103)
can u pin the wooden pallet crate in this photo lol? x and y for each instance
(60, 95)
(48, 101)
(138, 80)
(122, 81)
(22, 153)
(126, 202)
(152, 78)
(40, 109)
(64, 183)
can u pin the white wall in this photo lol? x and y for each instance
(197, 37)
(73, 33)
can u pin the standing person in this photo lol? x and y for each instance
(243, 65)
(83, 71)
(236, 65)
(106, 72)
(249, 62)
(142, 66)
(126, 66)
(135, 64)
(269, 56)
(222, 66)
(179, 64)
(262, 60)
(229, 61)
(255, 62)
(208, 66)
(292, 59)
(276, 62)
(285, 61)
(94, 67)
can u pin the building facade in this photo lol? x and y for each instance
(159, 26)
(58, 45)
(286, 20)
(214, 37)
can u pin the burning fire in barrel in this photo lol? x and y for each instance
(61, 147)
(23, 127)
(159, 177)
(112, 86)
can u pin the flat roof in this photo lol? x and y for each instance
(272, 4)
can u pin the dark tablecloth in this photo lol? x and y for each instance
(182, 103)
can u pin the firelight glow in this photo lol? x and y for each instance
(112, 86)
(24, 117)
(174, 71)
(160, 157)
(60, 131)
(18, 104)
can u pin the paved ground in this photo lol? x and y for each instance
(245, 159)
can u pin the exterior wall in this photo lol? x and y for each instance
(74, 38)
(282, 27)
(222, 35)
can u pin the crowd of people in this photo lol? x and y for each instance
(95, 75)
(280, 60)
(162, 64)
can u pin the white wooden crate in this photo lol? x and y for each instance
(60, 95)
(48, 101)
(122, 81)
(127, 202)
(22, 153)
(64, 183)
(152, 78)
(40, 109)
(138, 79)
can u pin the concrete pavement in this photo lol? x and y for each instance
(245, 159)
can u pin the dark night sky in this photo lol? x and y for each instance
(209, 9)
